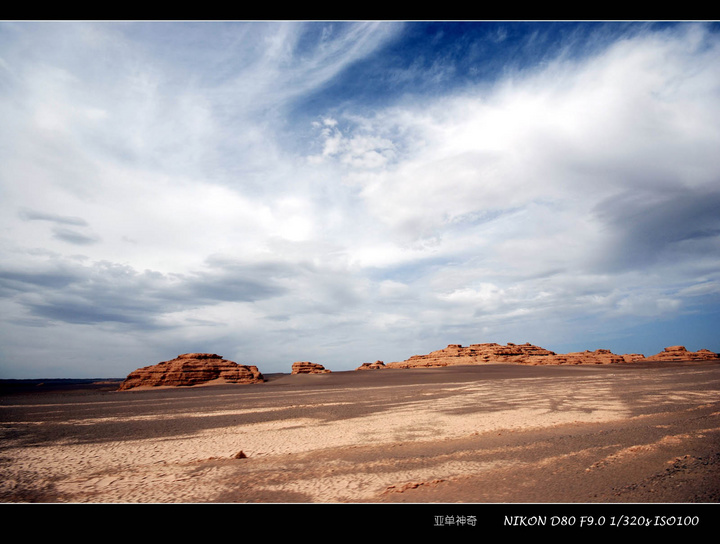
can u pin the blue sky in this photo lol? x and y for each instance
(342, 192)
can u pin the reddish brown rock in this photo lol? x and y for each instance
(633, 357)
(679, 353)
(306, 367)
(587, 357)
(371, 366)
(192, 369)
(456, 354)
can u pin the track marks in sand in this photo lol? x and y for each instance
(161, 483)
(637, 451)
(367, 474)
(340, 482)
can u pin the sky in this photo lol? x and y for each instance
(342, 192)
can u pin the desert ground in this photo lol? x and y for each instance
(495, 433)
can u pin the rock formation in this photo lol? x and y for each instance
(306, 367)
(455, 354)
(587, 357)
(528, 354)
(371, 366)
(192, 369)
(633, 357)
(679, 353)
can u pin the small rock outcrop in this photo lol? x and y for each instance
(680, 353)
(306, 367)
(192, 369)
(371, 366)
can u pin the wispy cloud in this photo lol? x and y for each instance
(34, 215)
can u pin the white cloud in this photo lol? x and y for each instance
(156, 184)
(358, 151)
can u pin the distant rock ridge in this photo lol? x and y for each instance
(191, 369)
(456, 354)
(679, 353)
(306, 367)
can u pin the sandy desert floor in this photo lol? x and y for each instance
(636, 433)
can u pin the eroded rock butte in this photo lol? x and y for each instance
(192, 369)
